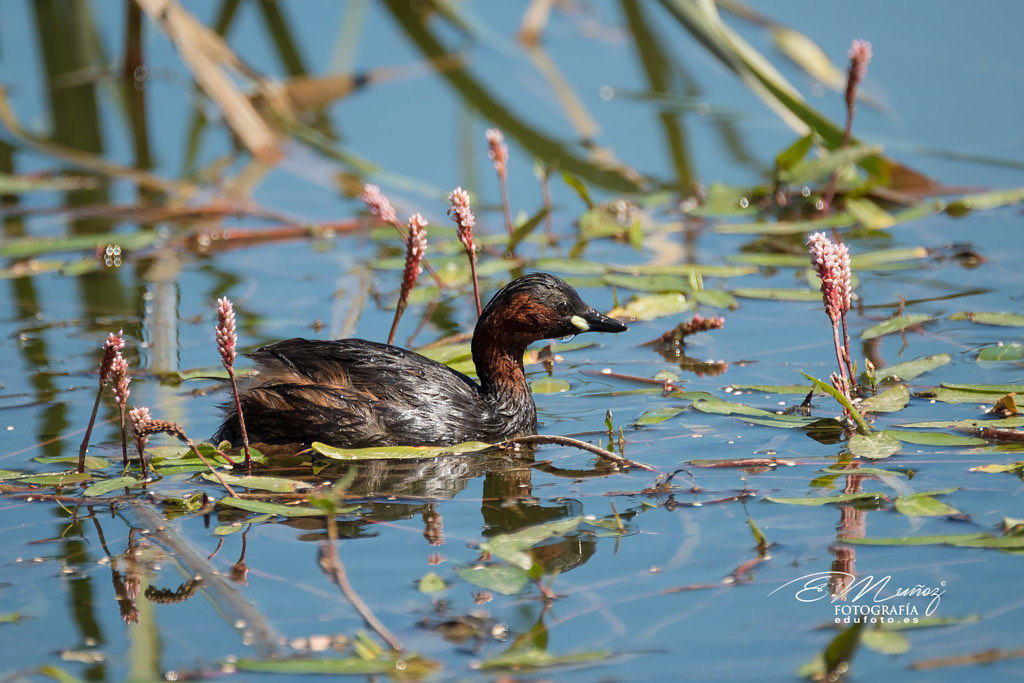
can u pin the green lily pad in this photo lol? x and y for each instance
(892, 325)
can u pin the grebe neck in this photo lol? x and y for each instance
(498, 357)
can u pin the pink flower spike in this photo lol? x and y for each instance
(138, 418)
(227, 339)
(462, 214)
(119, 375)
(378, 204)
(498, 151)
(831, 262)
(860, 57)
(111, 347)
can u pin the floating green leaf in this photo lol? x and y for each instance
(715, 298)
(776, 294)
(431, 583)
(501, 578)
(934, 438)
(894, 325)
(536, 658)
(968, 425)
(511, 547)
(997, 469)
(228, 529)
(990, 318)
(658, 415)
(63, 479)
(923, 505)
(780, 389)
(647, 283)
(964, 394)
(397, 452)
(889, 401)
(885, 642)
(871, 260)
(653, 307)
(984, 201)
(108, 485)
(827, 500)
(549, 385)
(1001, 352)
(413, 668)
(873, 446)
(911, 369)
(869, 214)
(270, 508)
(959, 540)
(92, 462)
(275, 484)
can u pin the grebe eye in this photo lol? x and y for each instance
(564, 308)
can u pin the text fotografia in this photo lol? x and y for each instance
(867, 600)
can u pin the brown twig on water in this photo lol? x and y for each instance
(415, 249)
(111, 346)
(461, 212)
(147, 428)
(331, 564)
(860, 57)
(497, 151)
(538, 439)
(227, 345)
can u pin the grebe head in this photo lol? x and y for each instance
(542, 306)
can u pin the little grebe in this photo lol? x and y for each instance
(356, 393)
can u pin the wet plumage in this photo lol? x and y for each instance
(356, 393)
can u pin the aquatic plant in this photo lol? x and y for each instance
(227, 345)
(415, 249)
(460, 211)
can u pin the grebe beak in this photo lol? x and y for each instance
(592, 321)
